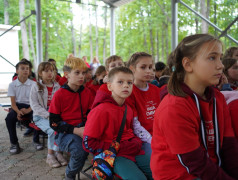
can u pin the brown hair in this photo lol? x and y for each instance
(134, 59)
(229, 52)
(189, 48)
(23, 61)
(227, 65)
(117, 70)
(112, 59)
(98, 72)
(42, 67)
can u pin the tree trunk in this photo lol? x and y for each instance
(166, 41)
(25, 47)
(215, 17)
(46, 36)
(90, 34)
(144, 31)
(33, 53)
(81, 31)
(196, 19)
(61, 41)
(6, 15)
(162, 41)
(157, 46)
(105, 36)
(151, 30)
(96, 30)
(205, 11)
(73, 33)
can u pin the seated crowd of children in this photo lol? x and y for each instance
(178, 124)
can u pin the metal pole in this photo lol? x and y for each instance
(7, 60)
(39, 51)
(174, 7)
(112, 33)
(209, 22)
(32, 12)
(228, 27)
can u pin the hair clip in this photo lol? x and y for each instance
(173, 68)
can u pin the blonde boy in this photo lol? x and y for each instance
(68, 110)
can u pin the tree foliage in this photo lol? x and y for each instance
(142, 25)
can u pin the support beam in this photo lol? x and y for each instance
(112, 33)
(39, 49)
(209, 22)
(174, 7)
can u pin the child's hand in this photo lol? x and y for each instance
(19, 115)
(25, 111)
(223, 80)
(79, 131)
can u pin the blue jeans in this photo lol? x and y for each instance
(73, 144)
(44, 125)
(139, 170)
(147, 148)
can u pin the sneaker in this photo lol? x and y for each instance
(38, 146)
(28, 132)
(15, 149)
(61, 159)
(68, 178)
(51, 160)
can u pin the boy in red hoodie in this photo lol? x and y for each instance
(104, 122)
(68, 110)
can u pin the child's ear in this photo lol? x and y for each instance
(132, 68)
(187, 65)
(109, 86)
(66, 74)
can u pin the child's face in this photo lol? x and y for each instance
(101, 76)
(206, 69)
(88, 76)
(48, 74)
(23, 71)
(235, 54)
(143, 69)
(121, 86)
(158, 74)
(75, 77)
(114, 64)
(233, 72)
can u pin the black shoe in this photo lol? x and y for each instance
(15, 149)
(68, 178)
(28, 132)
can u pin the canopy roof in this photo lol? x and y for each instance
(116, 3)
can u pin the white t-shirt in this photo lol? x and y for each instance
(21, 91)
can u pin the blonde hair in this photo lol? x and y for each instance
(73, 63)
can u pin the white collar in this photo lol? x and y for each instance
(27, 83)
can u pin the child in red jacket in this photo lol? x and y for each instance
(145, 97)
(192, 136)
(98, 80)
(104, 122)
(68, 110)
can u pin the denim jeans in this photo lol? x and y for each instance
(147, 148)
(44, 125)
(139, 170)
(11, 121)
(73, 144)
